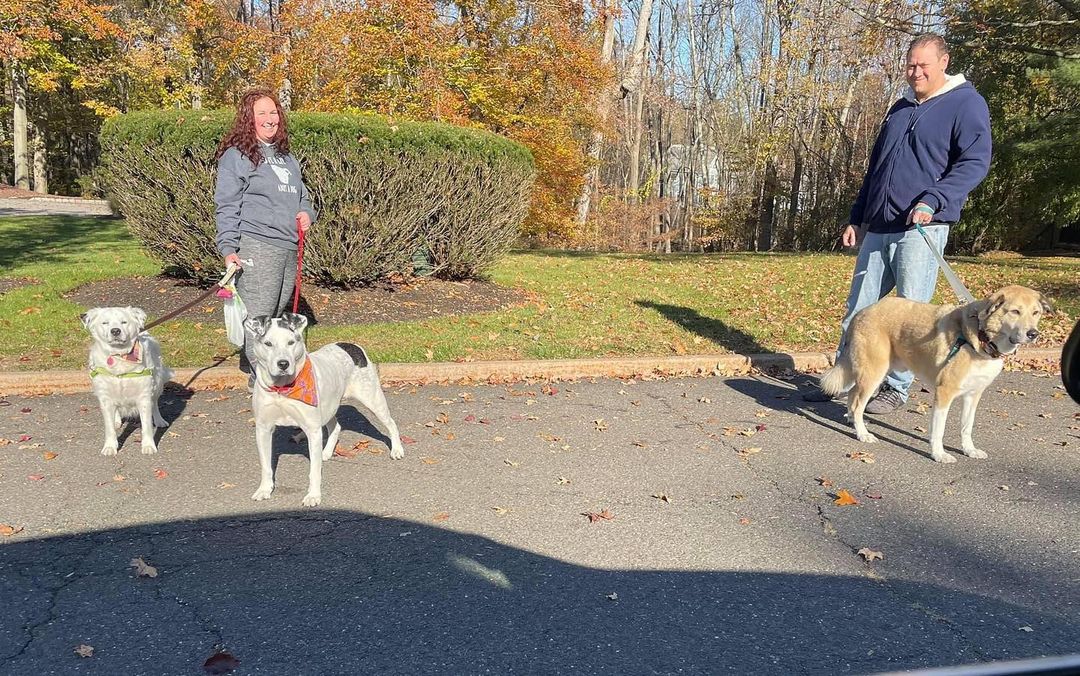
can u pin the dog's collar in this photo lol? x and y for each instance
(302, 388)
(988, 345)
(134, 356)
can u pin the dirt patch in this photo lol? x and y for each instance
(10, 192)
(421, 299)
(15, 283)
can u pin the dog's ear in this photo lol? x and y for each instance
(139, 315)
(992, 303)
(294, 322)
(257, 326)
(87, 317)
(1046, 306)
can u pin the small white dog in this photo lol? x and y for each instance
(293, 387)
(126, 371)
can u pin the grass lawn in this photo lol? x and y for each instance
(586, 305)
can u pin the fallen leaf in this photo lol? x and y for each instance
(500, 510)
(83, 650)
(746, 452)
(744, 521)
(450, 436)
(511, 462)
(704, 400)
(562, 481)
(761, 428)
(824, 481)
(919, 428)
(220, 663)
(662, 497)
(600, 425)
(597, 516)
(25, 409)
(220, 397)
(29, 310)
(441, 516)
(845, 498)
(612, 596)
(36, 477)
(873, 495)
(142, 568)
(862, 456)
(407, 440)
(1026, 628)
(5, 442)
(549, 390)
(160, 473)
(24, 437)
(343, 452)
(869, 554)
(470, 418)
(225, 484)
(427, 460)
(7, 531)
(442, 418)
(49, 455)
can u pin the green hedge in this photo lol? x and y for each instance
(383, 191)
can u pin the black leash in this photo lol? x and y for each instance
(201, 297)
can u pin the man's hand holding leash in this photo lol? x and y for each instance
(922, 214)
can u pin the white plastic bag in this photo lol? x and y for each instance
(235, 314)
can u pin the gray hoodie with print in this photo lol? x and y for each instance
(261, 201)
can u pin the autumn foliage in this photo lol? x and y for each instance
(526, 71)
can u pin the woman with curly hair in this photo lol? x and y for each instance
(260, 200)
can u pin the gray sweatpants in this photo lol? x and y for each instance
(265, 285)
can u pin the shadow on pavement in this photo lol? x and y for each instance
(715, 330)
(347, 592)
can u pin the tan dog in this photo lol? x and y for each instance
(957, 350)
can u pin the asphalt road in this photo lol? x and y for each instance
(725, 552)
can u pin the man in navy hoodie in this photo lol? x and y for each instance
(932, 150)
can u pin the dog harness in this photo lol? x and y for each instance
(984, 342)
(302, 388)
(135, 356)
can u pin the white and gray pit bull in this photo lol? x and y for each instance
(293, 387)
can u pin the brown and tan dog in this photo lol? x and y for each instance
(957, 350)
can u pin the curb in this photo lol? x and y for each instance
(40, 383)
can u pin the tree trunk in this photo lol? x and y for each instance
(768, 207)
(634, 188)
(22, 160)
(41, 177)
(607, 52)
(632, 81)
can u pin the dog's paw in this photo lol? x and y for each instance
(397, 453)
(942, 457)
(263, 493)
(108, 449)
(975, 453)
(866, 438)
(149, 448)
(312, 500)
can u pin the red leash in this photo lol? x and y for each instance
(299, 264)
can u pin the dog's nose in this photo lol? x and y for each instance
(115, 332)
(283, 364)
(1032, 334)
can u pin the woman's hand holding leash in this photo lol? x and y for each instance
(234, 260)
(303, 221)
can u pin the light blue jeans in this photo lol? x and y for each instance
(900, 260)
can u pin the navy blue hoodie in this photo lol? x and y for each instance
(935, 152)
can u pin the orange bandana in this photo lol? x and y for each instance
(302, 389)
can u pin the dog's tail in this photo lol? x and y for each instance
(839, 378)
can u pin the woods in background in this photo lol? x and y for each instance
(665, 125)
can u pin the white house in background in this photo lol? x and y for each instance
(678, 170)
